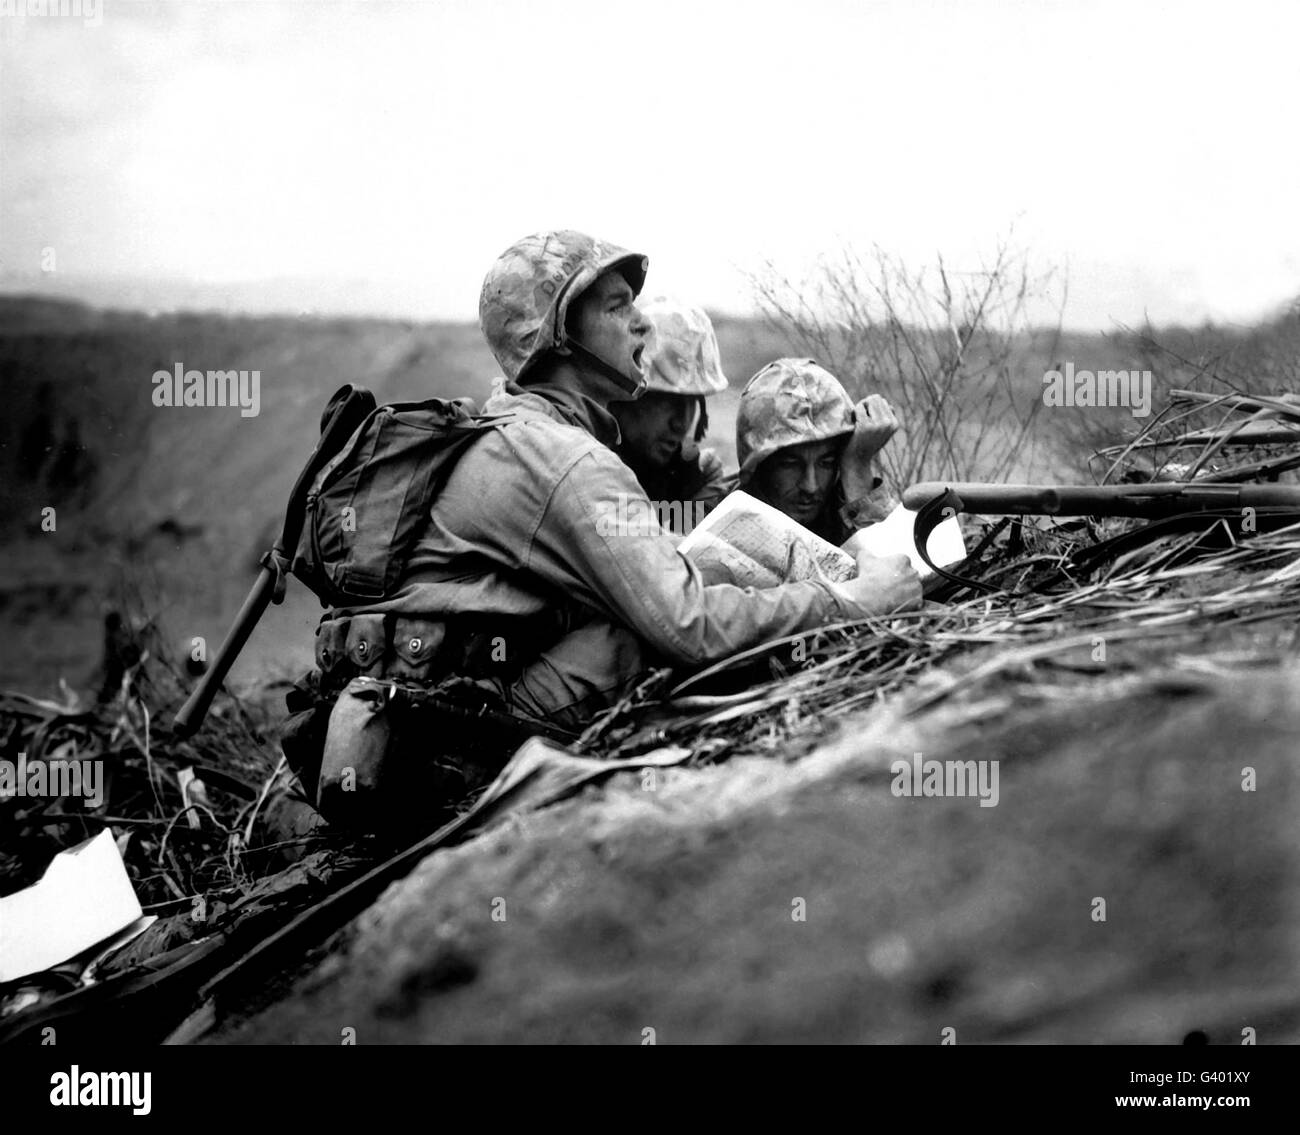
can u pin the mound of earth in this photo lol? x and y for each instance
(1133, 883)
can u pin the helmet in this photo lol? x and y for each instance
(527, 292)
(788, 402)
(683, 357)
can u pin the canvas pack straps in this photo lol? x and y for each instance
(369, 504)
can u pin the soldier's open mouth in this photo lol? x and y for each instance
(637, 354)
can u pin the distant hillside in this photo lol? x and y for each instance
(178, 503)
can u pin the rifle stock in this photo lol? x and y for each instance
(1152, 500)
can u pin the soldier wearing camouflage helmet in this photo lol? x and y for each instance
(662, 430)
(527, 523)
(804, 448)
(527, 311)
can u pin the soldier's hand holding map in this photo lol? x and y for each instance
(749, 543)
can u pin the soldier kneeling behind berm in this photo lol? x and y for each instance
(513, 598)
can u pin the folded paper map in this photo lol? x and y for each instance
(751, 544)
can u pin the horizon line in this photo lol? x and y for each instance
(89, 292)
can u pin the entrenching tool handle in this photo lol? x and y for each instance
(190, 716)
(347, 409)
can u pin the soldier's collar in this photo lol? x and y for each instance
(576, 408)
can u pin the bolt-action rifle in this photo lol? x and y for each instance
(1153, 500)
(1170, 505)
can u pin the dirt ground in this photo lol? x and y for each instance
(671, 912)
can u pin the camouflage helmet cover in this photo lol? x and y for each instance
(683, 357)
(527, 292)
(788, 402)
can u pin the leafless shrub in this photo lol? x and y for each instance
(947, 348)
(1211, 359)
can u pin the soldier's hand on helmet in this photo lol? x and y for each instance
(883, 584)
(874, 424)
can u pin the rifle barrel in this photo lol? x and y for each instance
(1155, 499)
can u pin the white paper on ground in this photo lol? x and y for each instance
(111, 945)
(893, 536)
(84, 897)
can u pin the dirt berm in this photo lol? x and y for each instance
(1126, 888)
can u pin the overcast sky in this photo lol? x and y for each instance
(377, 157)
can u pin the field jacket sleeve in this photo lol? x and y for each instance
(598, 541)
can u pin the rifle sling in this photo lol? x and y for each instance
(928, 517)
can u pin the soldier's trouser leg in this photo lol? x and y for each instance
(588, 670)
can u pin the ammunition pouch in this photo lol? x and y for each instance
(426, 651)
(393, 723)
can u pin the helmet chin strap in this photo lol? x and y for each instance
(691, 443)
(629, 386)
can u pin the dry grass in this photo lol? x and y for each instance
(203, 840)
(1182, 607)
